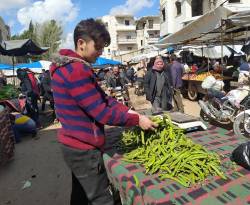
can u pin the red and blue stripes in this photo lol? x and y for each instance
(83, 108)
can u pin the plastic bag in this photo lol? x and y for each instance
(241, 155)
(218, 85)
(208, 82)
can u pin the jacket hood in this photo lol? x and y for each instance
(64, 57)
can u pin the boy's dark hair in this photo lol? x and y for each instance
(91, 29)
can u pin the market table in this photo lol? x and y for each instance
(151, 190)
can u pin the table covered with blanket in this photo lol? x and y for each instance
(151, 190)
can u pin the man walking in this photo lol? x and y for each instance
(83, 109)
(177, 72)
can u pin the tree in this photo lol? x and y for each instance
(49, 35)
(30, 33)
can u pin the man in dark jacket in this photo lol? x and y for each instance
(176, 73)
(157, 86)
(117, 78)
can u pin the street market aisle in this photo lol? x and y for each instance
(151, 190)
(39, 165)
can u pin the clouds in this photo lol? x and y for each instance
(40, 11)
(12, 4)
(68, 42)
(131, 7)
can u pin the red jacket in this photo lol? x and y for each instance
(81, 106)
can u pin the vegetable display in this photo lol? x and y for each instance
(171, 154)
(8, 92)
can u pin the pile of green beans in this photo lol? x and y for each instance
(171, 154)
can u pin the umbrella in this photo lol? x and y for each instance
(104, 61)
(20, 48)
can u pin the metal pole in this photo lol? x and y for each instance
(13, 64)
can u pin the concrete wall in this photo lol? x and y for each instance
(175, 22)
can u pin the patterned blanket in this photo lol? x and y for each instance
(151, 190)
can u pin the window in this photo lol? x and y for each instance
(127, 22)
(150, 23)
(178, 7)
(141, 42)
(128, 37)
(197, 7)
(129, 48)
(233, 1)
(163, 13)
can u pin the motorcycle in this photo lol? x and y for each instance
(241, 124)
(222, 110)
(139, 90)
(121, 95)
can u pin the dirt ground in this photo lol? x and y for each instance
(39, 165)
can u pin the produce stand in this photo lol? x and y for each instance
(192, 83)
(136, 187)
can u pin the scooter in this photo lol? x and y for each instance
(121, 95)
(241, 124)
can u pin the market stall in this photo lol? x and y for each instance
(192, 82)
(136, 187)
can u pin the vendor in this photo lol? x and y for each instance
(23, 125)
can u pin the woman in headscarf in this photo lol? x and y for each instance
(158, 87)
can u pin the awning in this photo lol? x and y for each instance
(208, 27)
(104, 61)
(20, 48)
(212, 52)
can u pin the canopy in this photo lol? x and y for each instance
(20, 48)
(33, 66)
(5, 67)
(207, 29)
(212, 52)
(104, 61)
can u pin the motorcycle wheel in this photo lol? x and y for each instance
(242, 125)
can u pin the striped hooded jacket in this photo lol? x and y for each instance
(81, 106)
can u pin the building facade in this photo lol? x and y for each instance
(122, 30)
(175, 14)
(128, 35)
(148, 31)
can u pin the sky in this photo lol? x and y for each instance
(18, 13)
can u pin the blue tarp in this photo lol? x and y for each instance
(104, 61)
(29, 65)
(5, 67)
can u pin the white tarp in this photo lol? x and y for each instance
(199, 29)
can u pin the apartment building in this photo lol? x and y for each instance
(129, 35)
(122, 30)
(175, 14)
(148, 31)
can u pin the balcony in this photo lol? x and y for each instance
(153, 40)
(126, 41)
(156, 27)
(122, 27)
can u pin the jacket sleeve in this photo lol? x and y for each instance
(83, 88)
(147, 85)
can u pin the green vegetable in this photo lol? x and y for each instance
(8, 92)
(171, 154)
